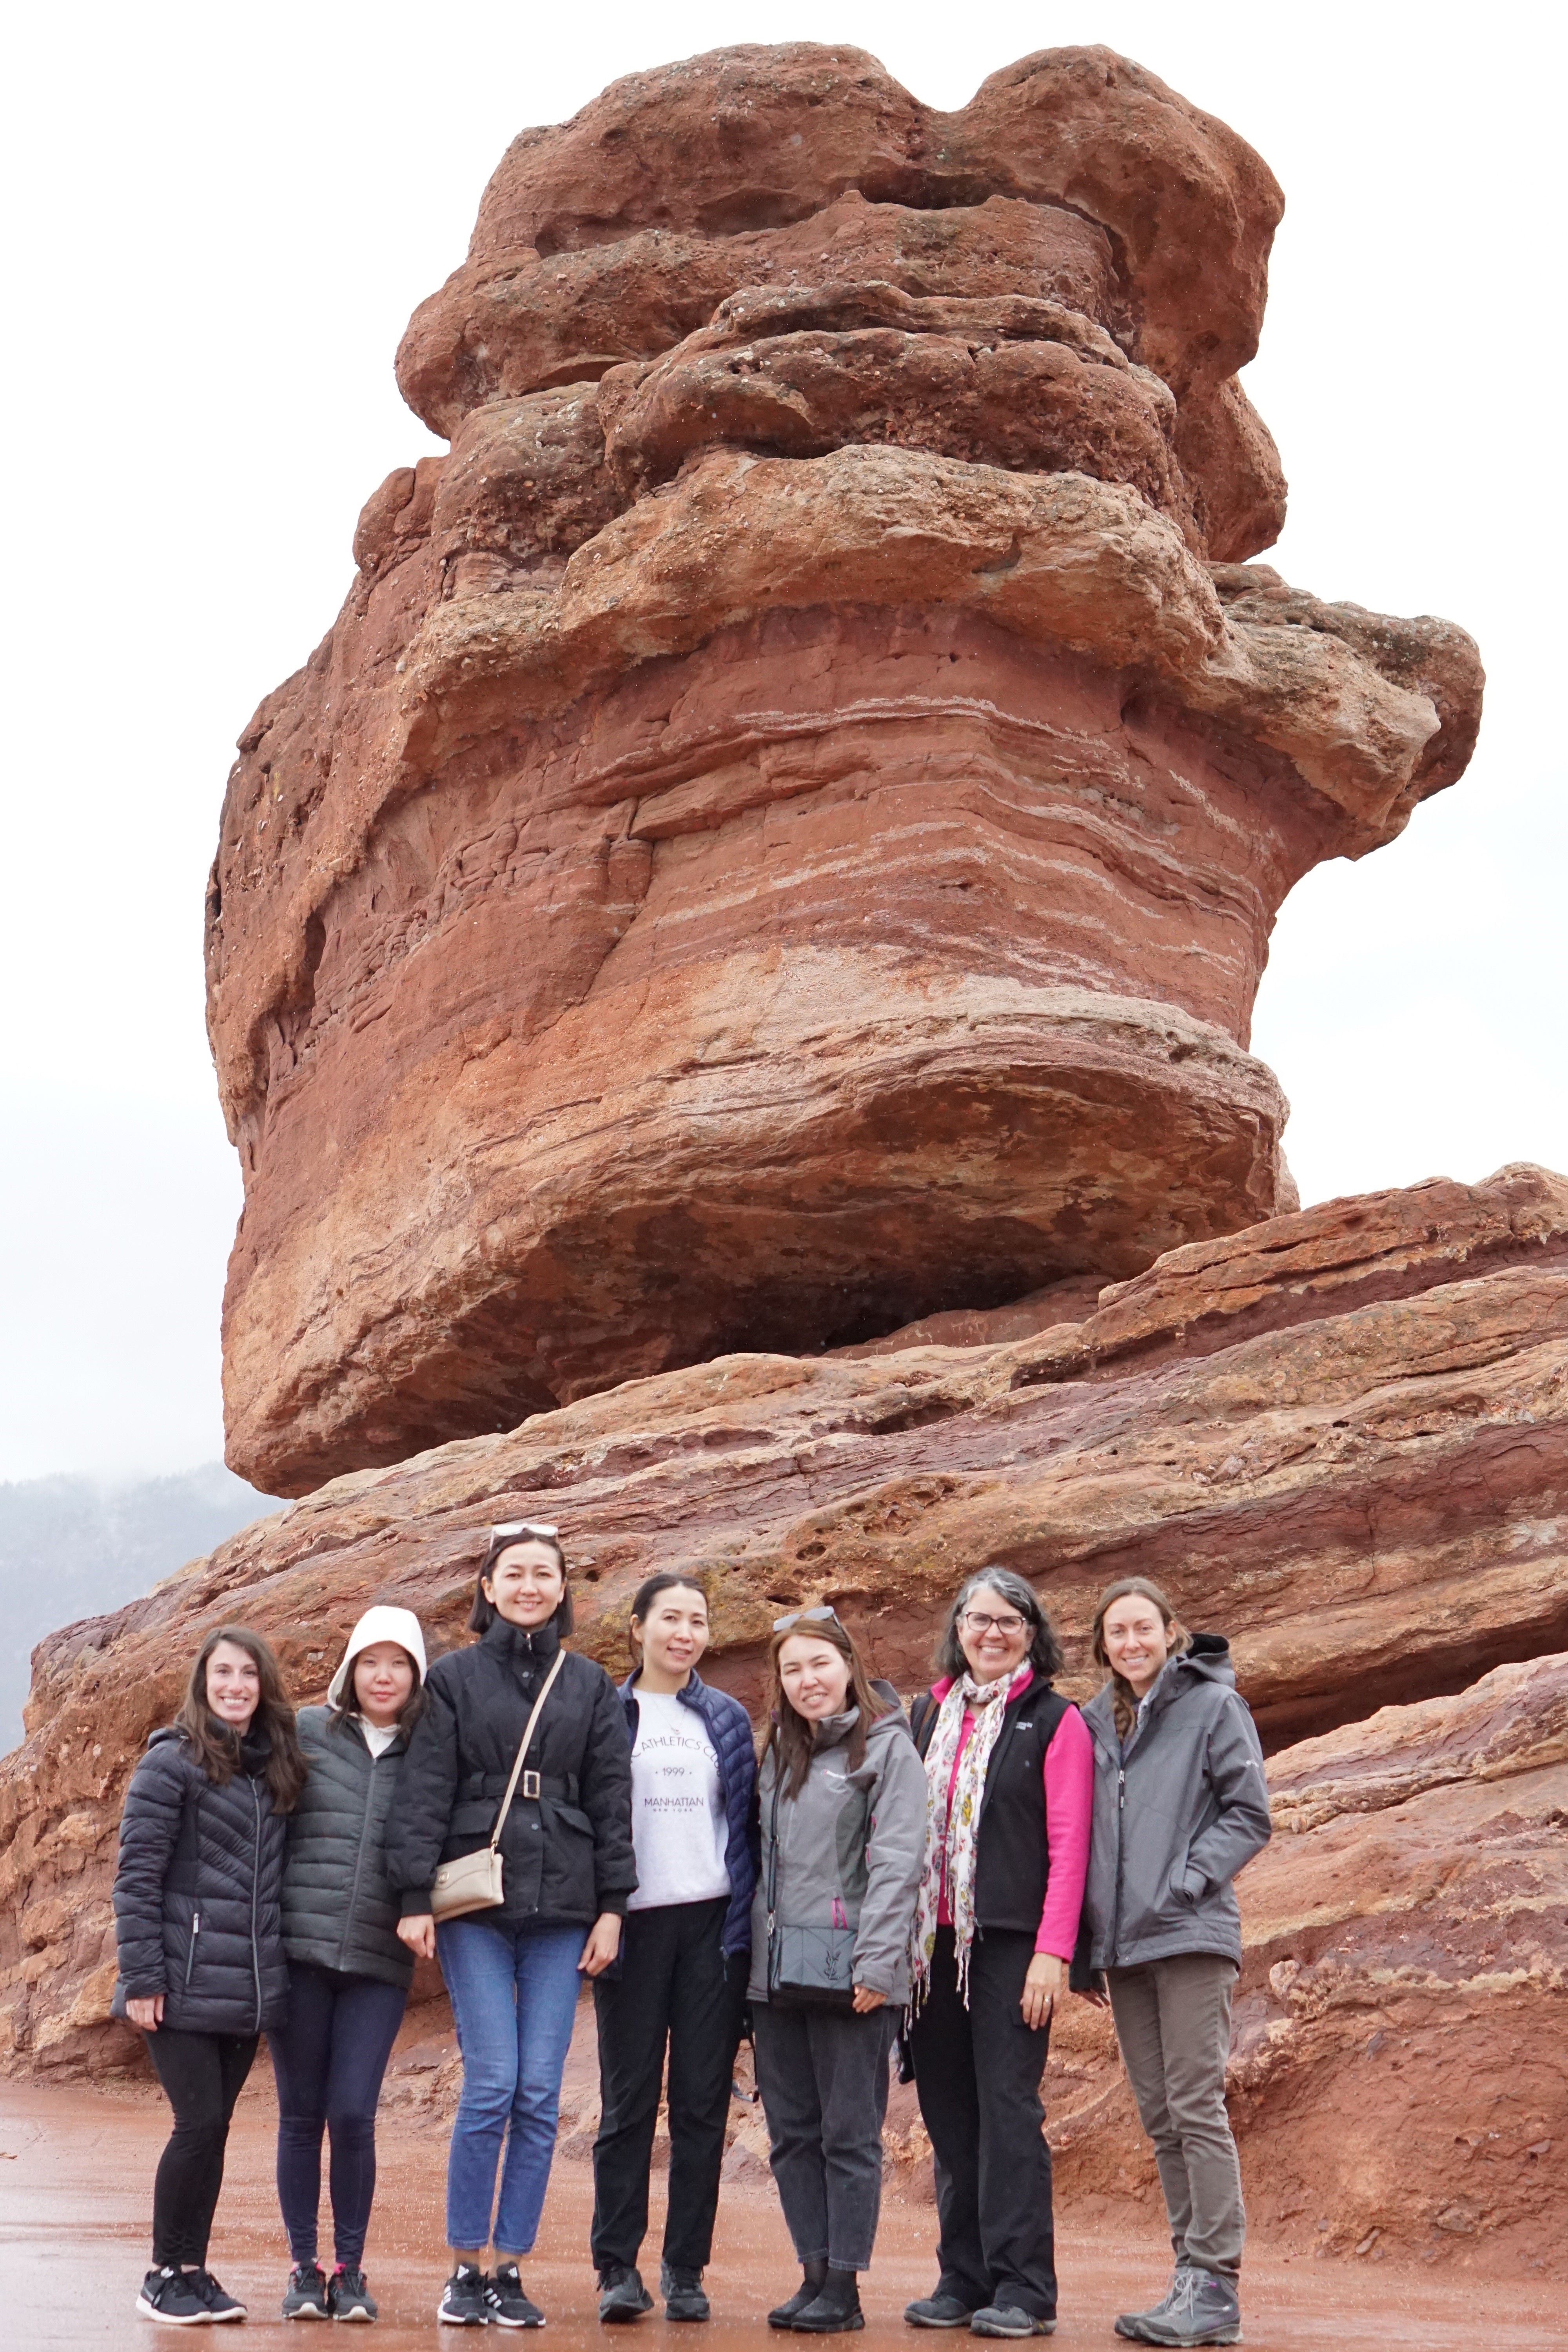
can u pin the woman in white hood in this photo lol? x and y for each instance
(348, 1973)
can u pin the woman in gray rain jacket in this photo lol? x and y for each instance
(843, 1802)
(1180, 1804)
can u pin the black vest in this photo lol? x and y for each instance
(1012, 1861)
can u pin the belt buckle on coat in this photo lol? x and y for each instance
(531, 1784)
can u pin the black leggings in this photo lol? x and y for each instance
(202, 2075)
(329, 2061)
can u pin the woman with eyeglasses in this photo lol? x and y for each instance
(513, 1970)
(843, 1806)
(680, 1980)
(1010, 1775)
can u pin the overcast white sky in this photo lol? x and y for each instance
(220, 220)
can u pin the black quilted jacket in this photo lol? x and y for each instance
(338, 1909)
(567, 1853)
(196, 1912)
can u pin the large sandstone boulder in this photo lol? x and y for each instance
(1396, 2078)
(781, 839)
(1340, 1437)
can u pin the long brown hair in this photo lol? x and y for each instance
(789, 1739)
(1124, 1699)
(216, 1746)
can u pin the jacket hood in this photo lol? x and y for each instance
(381, 1623)
(1207, 1660)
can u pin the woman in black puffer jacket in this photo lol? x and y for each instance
(513, 1971)
(348, 1972)
(197, 1921)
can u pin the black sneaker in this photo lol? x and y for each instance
(167, 2296)
(209, 2293)
(464, 2299)
(938, 2310)
(682, 2292)
(348, 2297)
(1006, 2319)
(305, 2296)
(622, 2294)
(510, 2307)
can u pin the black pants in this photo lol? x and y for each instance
(203, 2074)
(329, 2061)
(823, 2074)
(673, 1986)
(977, 2071)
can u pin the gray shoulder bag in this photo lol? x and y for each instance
(808, 1967)
(474, 1882)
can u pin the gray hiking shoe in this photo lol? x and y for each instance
(1202, 2308)
(622, 2294)
(1131, 2322)
(1007, 2319)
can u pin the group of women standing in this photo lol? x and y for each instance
(878, 1881)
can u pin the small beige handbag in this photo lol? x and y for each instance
(474, 1882)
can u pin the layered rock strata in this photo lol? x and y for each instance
(782, 839)
(1341, 1438)
(1395, 2077)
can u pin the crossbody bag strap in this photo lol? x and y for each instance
(522, 1749)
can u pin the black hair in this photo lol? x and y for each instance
(484, 1613)
(668, 1579)
(1045, 1650)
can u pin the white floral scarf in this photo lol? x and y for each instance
(951, 1828)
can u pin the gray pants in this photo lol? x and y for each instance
(1173, 2020)
(823, 2074)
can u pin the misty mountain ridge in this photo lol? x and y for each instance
(74, 1547)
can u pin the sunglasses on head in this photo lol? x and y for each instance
(512, 1529)
(804, 1617)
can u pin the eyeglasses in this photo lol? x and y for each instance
(804, 1617)
(512, 1529)
(980, 1623)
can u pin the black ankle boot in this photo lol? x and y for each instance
(814, 2279)
(836, 2309)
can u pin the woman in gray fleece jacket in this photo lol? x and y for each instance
(1180, 1804)
(843, 1804)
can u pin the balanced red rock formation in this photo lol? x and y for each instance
(781, 839)
(1341, 1438)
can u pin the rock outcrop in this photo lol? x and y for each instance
(1395, 2080)
(783, 837)
(1341, 1438)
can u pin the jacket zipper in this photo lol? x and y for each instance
(1121, 1806)
(255, 1899)
(359, 1864)
(191, 1955)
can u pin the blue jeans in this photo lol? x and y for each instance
(514, 1995)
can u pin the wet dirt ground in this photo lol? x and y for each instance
(75, 2173)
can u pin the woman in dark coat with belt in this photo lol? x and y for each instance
(349, 1971)
(199, 1931)
(513, 1971)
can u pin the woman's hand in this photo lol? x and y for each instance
(147, 2011)
(604, 1942)
(866, 2001)
(418, 1932)
(1042, 1985)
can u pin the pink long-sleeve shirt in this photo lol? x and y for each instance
(1069, 1800)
